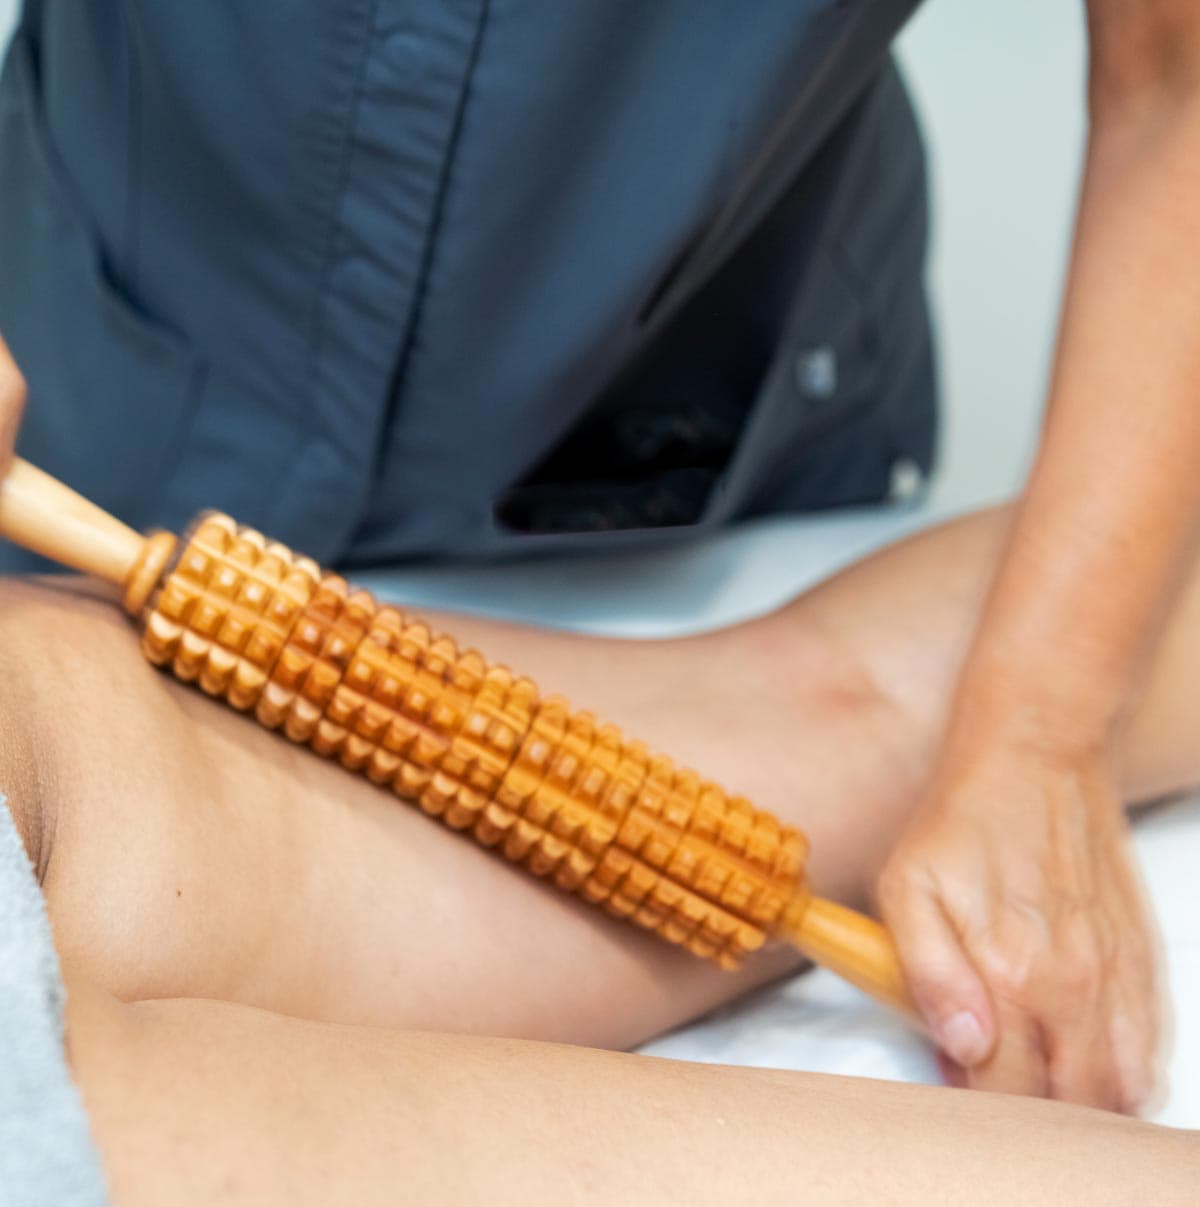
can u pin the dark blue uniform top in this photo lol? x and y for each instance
(392, 278)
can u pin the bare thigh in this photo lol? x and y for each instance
(187, 853)
(191, 854)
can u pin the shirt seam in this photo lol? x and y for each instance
(430, 245)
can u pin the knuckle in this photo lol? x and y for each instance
(892, 887)
(1080, 962)
(1007, 970)
(887, 891)
(1109, 939)
(1026, 953)
(1078, 973)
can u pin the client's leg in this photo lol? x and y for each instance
(908, 612)
(188, 853)
(829, 711)
(199, 1102)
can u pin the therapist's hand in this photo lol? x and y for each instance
(1022, 927)
(12, 406)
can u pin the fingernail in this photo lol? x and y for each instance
(962, 1039)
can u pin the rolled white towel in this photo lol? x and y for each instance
(46, 1151)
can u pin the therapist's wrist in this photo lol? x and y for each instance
(1042, 703)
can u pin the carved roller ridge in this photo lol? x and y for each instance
(471, 743)
(569, 798)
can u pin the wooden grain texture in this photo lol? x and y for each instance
(39, 513)
(472, 744)
(557, 791)
(854, 946)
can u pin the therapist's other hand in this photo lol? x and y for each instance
(12, 406)
(1022, 927)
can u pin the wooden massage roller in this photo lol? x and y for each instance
(469, 742)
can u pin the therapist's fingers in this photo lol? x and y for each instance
(1134, 1018)
(1077, 1036)
(12, 405)
(1065, 997)
(1017, 1064)
(1140, 1009)
(1135, 1035)
(945, 986)
(1135, 1029)
(1075, 1074)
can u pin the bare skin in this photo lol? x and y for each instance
(1011, 891)
(205, 1102)
(234, 850)
(233, 847)
(191, 859)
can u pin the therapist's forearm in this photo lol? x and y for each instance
(1110, 512)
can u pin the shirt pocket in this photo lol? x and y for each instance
(111, 390)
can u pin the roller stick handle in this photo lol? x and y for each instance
(41, 514)
(852, 945)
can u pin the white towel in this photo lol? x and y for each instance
(46, 1154)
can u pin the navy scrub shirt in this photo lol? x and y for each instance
(402, 278)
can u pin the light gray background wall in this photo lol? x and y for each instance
(1001, 91)
(1000, 87)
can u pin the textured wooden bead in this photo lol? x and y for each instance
(472, 744)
